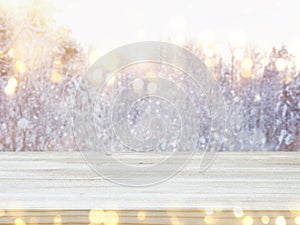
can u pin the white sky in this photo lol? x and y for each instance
(109, 24)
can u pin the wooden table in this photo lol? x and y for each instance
(238, 188)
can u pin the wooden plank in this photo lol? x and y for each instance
(134, 217)
(251, 181)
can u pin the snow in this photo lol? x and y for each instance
(23, 123)
(262, 113)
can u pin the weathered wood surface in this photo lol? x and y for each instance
(251, 181)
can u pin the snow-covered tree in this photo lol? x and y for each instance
(40, 68)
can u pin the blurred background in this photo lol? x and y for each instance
(252, 49)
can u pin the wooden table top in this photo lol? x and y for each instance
(62, 180)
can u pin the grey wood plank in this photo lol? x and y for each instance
(62, 180)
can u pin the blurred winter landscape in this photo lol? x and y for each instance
(42, 63)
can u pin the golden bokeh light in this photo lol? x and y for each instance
(57, 63)
(208, 219)
(219, 209)
(265, 219)
(20, 67)
(138, 85)
(280, 64)
(280, 220)
(248, 220)
(238, 212)
(19, 222)
(209, 62)
(9, 90)
(247, 63)
(238, 54)
(152, 88)
(55, 77)
(141, 215)
(176, 221)
(288, 78)
(57, 220)
(94, 56)
(12, 82)
(111, 218)
(297, 220)
(97, 216)
(2, 212)
(11, 53)
(265, 61)
(246, 73)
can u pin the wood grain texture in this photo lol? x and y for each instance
(251, 181)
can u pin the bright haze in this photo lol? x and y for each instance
(108, 24)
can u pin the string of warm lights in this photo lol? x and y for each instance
(99, 216)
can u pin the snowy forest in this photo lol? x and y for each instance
(42, 64)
